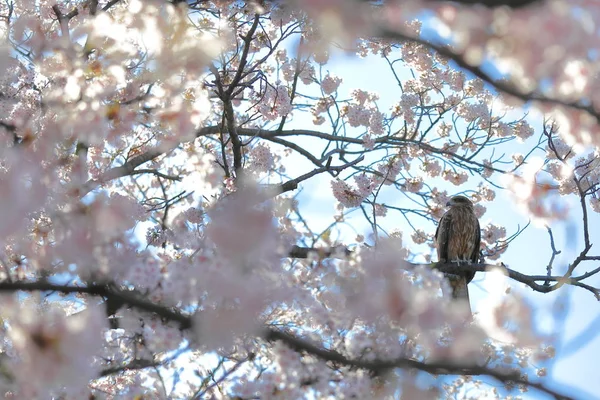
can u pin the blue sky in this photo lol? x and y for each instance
(570, 316)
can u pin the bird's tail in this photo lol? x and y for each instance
(460, 293)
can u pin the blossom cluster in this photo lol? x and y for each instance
(275, 103)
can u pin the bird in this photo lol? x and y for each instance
(458, 239)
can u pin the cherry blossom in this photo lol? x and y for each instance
(169, 172)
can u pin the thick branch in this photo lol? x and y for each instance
(106, 291)
(295, 343)
(134, 365)
(378, 366)
(494, 3)
(454, 268)
(63, 19)
(321, 252)
(529, 280)
(126, 169)
(502, 86)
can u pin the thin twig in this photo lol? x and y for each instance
(553, 256)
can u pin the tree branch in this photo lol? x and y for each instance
(454, 268)
(107, 291)
(529, 280)
(494, 3)
(553, 256)
(321, 252)
(297, 344)
(292, 184)
(502, 86)
(128, 168)
(133, 365)
(378, 366)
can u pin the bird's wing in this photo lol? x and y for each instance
(475, 254)
(442, 236)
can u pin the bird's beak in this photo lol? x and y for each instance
(448, 203)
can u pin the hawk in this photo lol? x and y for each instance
(458, 238)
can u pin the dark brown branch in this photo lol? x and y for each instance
(134, 365)
(378, 366)
(272, 135)
(63, 19)
(108, 292)
(295, 343)
(321, 252)
(110, 4)
(502, 86)
(529, 280)
(157, 173)
(494, 3)
(8, 127)
(226, 97)
(244, 57)
(126, 169)
(292, 184)
(553, 256)
(454, 268)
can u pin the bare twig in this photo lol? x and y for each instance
(553, 256)
(201, 393)
(292, 184)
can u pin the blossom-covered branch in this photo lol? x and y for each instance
(381, 366)
(270, 334)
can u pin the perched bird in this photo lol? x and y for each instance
(458, 238)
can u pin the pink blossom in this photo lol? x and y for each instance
(239, 227)
(413, 185)
(523, 130)
(376, 123)
(275, 103)
(261, 158)
(432, 168)
(455, 177)
(345, 194)
(58, 351)
(595, 203)
(368, 142)
(380, 210)
(479, 210)
(486, 192)
(330, 84)
(492, 233)
(419, 237)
